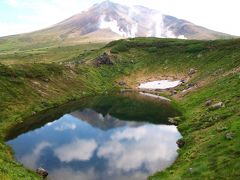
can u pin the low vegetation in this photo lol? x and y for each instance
(211, 136)
(47, 54)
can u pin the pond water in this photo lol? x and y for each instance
(113, 137)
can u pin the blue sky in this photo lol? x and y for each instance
(18, 16)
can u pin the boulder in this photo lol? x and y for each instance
(182, 81)
(174, 120)
(180, 143)
(42, 172)
(190, 170)
(192, 71)
(216, 106)
(104, 59)
(208, 102)
(173, 92)
(121, 83)
(229, 135)
(190, 85)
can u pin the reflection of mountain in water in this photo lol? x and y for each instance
(103, 122)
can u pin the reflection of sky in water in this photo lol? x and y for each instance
(71, 148)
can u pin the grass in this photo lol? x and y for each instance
(47, 54)
(208, 154)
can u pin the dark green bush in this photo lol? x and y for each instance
(152, 49)
(120, 47)
(6, 71)
(195, 48)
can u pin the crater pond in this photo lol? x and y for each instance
(117, 137)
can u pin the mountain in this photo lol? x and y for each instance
(108, 21)
(102, 122)
(124, 21)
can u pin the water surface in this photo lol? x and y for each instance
(93, 143)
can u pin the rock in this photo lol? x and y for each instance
(173, 92)
(190, 170)
(190, 85)
(192, 71)
(229, 135)
(208, 102)
(104, 59)
(199, 55)
(174, 120)
(221, 128)
(42, 172)
(46, 80)
(180, 143)
(184, 90)
(121, 83)
(217, 106)
(182, 81)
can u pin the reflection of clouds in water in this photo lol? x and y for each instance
(30, 160)
(67, 173)
(153, 147)
(130, 134)
(124, 150)
(65, 126)
(77, 150)
(92, 174)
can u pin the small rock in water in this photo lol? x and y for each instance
(229, 135)
(42, 172)
(217, 106)
(208, 102)
(180, 143)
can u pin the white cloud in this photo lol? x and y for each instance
(39, 14)
(13, 3)
(16, 28)
(81, 150)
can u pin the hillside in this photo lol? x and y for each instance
(109, 21)
(211, 136)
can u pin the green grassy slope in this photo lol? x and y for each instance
(29, 88)
(46, 54)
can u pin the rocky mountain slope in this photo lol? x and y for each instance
(136, 21)
(108, 21)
